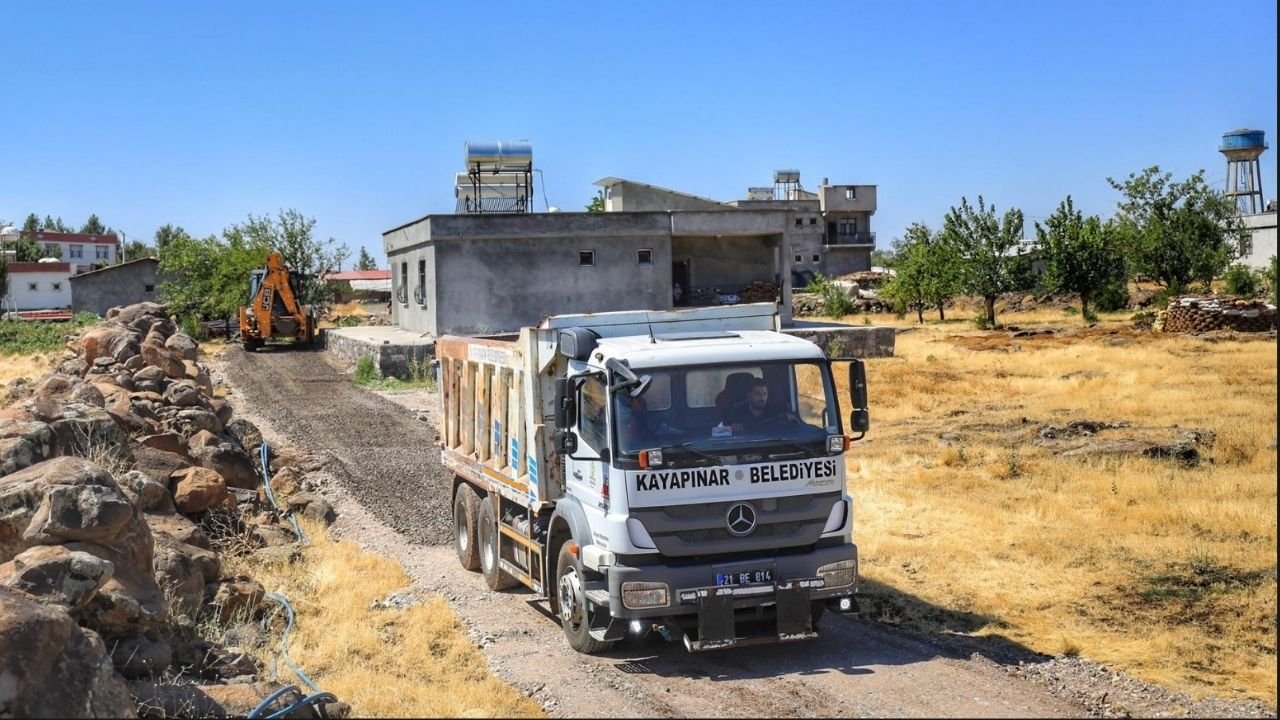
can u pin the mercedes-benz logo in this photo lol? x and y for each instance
(741, 519)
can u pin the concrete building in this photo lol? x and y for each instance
(81, 250)
(97, 291)
(1262, 226)
(38, 286)
(479, 274)
(371, 285)
(652, 248)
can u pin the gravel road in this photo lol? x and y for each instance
(375, 458)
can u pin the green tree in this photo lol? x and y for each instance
(49, 223)
(167, 233)
(209, 277)
(290, 234)
(883, 258)
(31, 224)
(926, 272)
(1176, 232)
(135, 250)
(93, 226)
(1082, 255)
(597, 203)
(986, 249)
(366, 261)
(52, 251)
(27, 250)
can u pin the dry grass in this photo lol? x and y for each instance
(415, 662)
(1166, 571)
(30, 366)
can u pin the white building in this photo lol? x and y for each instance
(81, 250)
(1262, 228)
(39, 286)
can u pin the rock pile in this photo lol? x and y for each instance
(122, 475)
(1204, 314)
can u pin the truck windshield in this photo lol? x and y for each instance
(729, 409)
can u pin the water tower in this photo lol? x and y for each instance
(1244, 175)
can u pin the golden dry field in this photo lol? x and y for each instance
(982, 511)
(412, 662)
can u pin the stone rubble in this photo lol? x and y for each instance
(121, 473)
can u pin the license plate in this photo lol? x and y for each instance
(744, 577)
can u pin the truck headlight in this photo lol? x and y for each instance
(643, 595)
(838, 574)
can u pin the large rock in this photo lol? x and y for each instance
(110, 341)
(66, 388)
(17, 453)
(128, 314)
(130, 602)
(215, 662)
(183, 345)
(235, 599)
(222, 409)
(51, 667)
(179, 529)
(168, 442)
(312, 506)
(55, 575)
(155, 353)
(147, 494)
(245, 433)
(88, 431)
(182, 577)
(158, 465)
(197, 489)
(38, 435)
(140, 656)
(67, 499)
(233, 464)
(184, 393)
(191, 420)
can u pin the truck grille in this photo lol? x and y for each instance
(700, 528)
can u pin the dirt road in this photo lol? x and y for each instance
(390, 491)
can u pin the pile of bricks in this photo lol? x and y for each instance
(759, 292)
(1204, 314)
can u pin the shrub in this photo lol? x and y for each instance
(365, 373)
(1112, 296)
(1241, 281)
(837, 303)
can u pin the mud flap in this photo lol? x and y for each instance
(715, 618)
(795, 619)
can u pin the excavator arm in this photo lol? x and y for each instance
(274, 310)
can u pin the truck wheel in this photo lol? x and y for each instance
(252, 345)
(487, 526)
(572, 602)
(466, 506)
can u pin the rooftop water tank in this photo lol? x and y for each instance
(499, 156)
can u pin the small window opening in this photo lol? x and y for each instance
(799, 222)
(849, 194)
(586, 258)
(149, 288)
(644, 257)
(32, 287)
(815, 258)
(799, 258)
(813, 221)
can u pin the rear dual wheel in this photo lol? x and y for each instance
(487, 529)
(466, 509)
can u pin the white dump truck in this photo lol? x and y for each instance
(673, 471)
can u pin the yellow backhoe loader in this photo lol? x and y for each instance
(274, 310)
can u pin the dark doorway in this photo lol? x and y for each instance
(680, 282)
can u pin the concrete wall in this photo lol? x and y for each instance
(833, 198)
(99, 291)
(391, 358)
(52, 291)
(638, 197)
(493, 286)
(842, 259)
(731, 262)
(1263, 228)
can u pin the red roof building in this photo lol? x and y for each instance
(349, 275)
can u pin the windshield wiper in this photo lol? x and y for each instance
(781, 441)
(689, 446)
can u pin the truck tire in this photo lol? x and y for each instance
(466, 541)
(572, 604)
(487, 530)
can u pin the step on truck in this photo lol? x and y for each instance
(680, 472)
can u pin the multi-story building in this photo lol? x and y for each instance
(80, 250)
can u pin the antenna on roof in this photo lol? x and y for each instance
(652, 340)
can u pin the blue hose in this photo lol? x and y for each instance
(266, 702)
(290, 618)
(315, 699)
(266, 483)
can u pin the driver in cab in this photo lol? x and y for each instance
(755, 412)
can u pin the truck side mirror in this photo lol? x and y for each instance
(859, 420)
(566, 441)
(566, 404)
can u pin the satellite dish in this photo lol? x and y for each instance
(552, 209)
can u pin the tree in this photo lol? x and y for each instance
(986, 246)
(31, 224)
(93, 226)
(597, 203)
(27, 250)
(1177, 232)
(1082, 255)
(166, 234)
(366, 261)
(289, 233)
(926, 272)
(209, 277)
(135, 250)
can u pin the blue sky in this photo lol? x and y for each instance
(198, 113)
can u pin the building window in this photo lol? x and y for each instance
(148, 288)
(403, 295)
(644, 257)
(77, 251)
(51, 249)
(849, 194)
(799, 258)
(849, 226)
(420, 292)
(813, 221)
(57, 287)
(586, 258)
(100, 252)
(815, 258)
(799, 222)
(33, 287)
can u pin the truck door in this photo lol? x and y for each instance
(586, 475)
